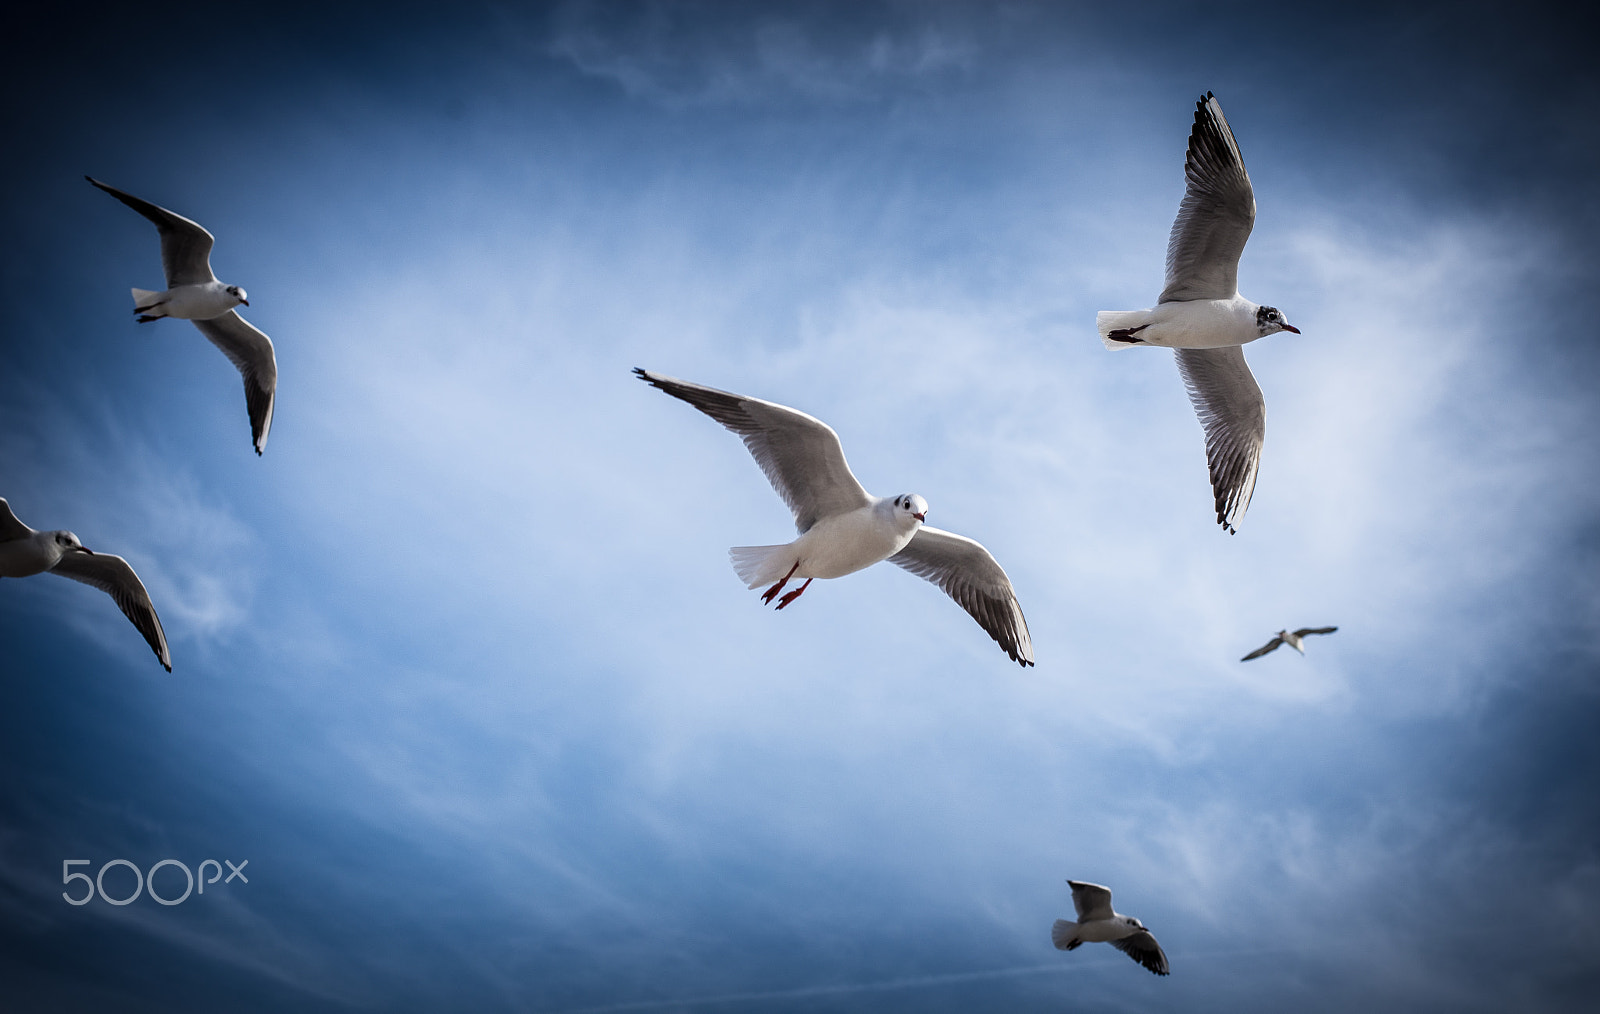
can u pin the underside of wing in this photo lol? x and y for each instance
(1217, 213)
(1303, 631)
(113, 575)
(185, 245)
(970, 575)
(1271, 645)
(1234, 416)
(800, 455)
(250, 351)
(10, 526)
(1142, 947)
(1091, 900)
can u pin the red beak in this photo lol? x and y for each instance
(1286, 327)
(921, 517)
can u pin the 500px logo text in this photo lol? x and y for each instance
(147, 883)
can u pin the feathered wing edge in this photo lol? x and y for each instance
(1233, 414)
(114, 576)
(968, 573)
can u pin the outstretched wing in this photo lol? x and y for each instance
(1234, 416)
(251, 352)
(1216, 216)
(1142, 947)
(185, 245)
(1303, 631)
(10, 527)
(801, 456)
(112, 575)
(1271, 645)
(970, 575)
(1091, 900)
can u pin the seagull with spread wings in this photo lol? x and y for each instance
(193, 293)
(1295, 640)
(25, 552)
(1097, 923)
(843, 528)
(1201, 315)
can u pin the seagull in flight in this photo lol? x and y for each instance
(1295, 640)
(843, 528)
(193, 293)
(25, 552)
(1097, 923)
(1201, 315)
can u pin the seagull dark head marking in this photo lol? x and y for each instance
(1269, 320)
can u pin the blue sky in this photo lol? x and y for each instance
(460, 666)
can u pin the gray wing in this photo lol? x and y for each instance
(1272, 645)
(1216, 216)
(1303, 631)
(1234, 415)
(1091, 900)
(801, 456)
(970, 575)
(185, 245)
(112, 575)
(1142, 947)
(10, 527)
(251, 351)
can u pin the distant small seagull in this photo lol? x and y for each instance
(1203, 317)
(193, 293)
(25, 552)
(1098, 924)
(842, 527)
(1295, 640)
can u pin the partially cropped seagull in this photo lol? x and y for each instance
(1097, 923)
(25, 552)
(1295, 640)
(843, 528)
(1202, 316)
(193, 293)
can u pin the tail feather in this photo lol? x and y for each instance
(1062, 935)
(145, 299)
(758, 566)
(1127, 322)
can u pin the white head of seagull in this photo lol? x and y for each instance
(910, 505)
(1269, 320)
(843, 528)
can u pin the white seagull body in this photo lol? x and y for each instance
(25, 552)
(194, 294)
(1097, 923)
(843, 528)
(1202, 316)
(1295, 640)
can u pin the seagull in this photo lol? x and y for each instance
(25, 552)
(1295, 640)
(1097, 923)
(843, 528)
(1202, 316)
(193, 293)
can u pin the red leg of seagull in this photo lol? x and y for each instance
(794, 594)
(770, 592)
